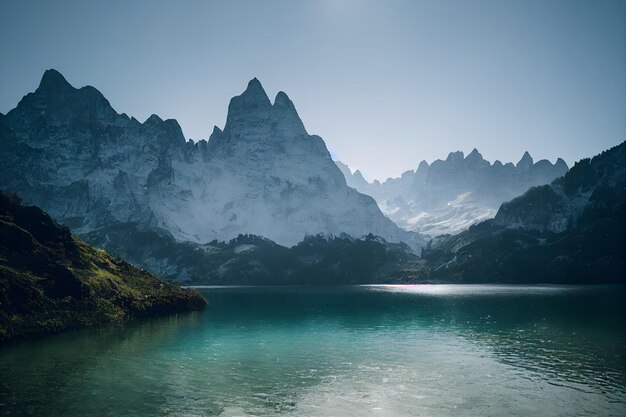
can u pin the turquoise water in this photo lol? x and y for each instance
(355, 351)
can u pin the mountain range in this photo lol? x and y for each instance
(100, 172)
(570, 231)
(448, 196)
(262, 202)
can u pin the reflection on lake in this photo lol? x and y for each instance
(432, 350)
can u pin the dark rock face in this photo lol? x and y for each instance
(449, 195)
(94, 169)
(571, 231)
(74, 154)
(51, 281)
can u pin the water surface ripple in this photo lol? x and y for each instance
(424, 350)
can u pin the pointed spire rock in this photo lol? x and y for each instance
(476, 161)
(174, 130)
(215, 139)
(251, 107)
(58, 96)
(526, 161)
(216, 131)
(255, 91)
(52, 80)
(359, 178)
(282, 100)
(560, 163)
(286, 116)
(474, 155)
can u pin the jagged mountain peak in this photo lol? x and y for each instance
(423, 165)
(53, 80)
(286, 116)
(170, 126)
(526, 160)
(252, 114)
(255, 92)
(262, 174)
(455, 156)
(359, 175)
(474, 154)
(475, 157)
(255, 85)
(561, 163)
(251, 107)
(283, 104)
(282, 100)
(449, 195)
(152, 120)
(61, 101)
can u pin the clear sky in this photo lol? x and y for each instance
(385, 83)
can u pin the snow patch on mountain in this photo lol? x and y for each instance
(263, 174)
(448, 196)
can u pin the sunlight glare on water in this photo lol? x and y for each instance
(419, 350)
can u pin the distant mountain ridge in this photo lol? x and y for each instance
(570, 231)
(68, 151)
(449, 195)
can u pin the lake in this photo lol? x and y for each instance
(423, 350)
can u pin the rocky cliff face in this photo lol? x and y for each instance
(265, 175)
(72, 154)
(449, 195)
(69, 152)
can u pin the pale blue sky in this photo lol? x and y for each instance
(385, 83)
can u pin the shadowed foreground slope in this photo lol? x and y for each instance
(52, 281)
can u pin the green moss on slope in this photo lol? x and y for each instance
(52, 281)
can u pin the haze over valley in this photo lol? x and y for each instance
(313, 208)
(227, 210)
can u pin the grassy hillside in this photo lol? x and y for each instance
(51, 281)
